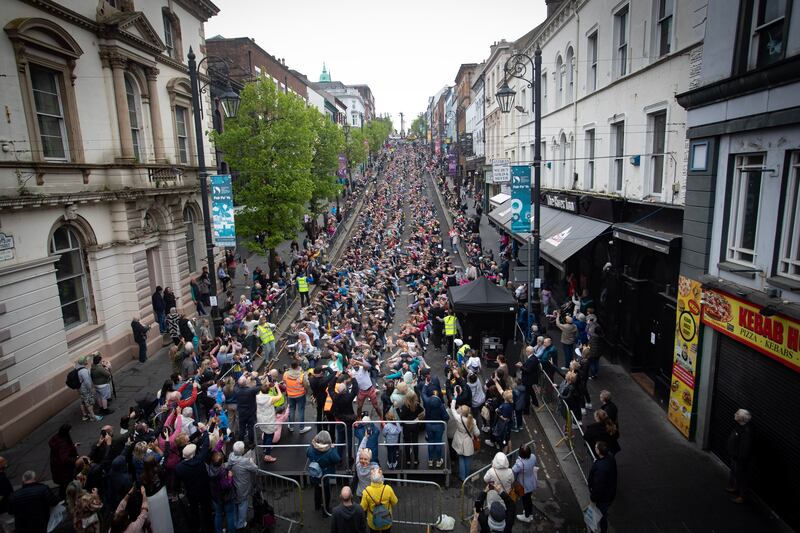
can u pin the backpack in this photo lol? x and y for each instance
(73, 380)
(314, 472)
(381, 515)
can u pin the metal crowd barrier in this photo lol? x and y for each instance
(296, 466)
(383, 450)
(419, 503)
(284, 494)
(474, 485)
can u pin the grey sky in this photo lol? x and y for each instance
(404, 50)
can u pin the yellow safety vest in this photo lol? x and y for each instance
(265, 333)
(275, 391)
(450, 325)
(294, 387)
(302, 284)
(463, 350)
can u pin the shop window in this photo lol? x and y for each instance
(621, 42)
(789, 254)
(71, 270)
(745, 201)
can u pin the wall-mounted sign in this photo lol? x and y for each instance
(559, 201)
(6, 247)
(222, 211)
(775, 336)
(646, 243)
(501, 170)
(685, 357)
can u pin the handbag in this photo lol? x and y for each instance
(511, 493)
(476, 441)
(517, 489)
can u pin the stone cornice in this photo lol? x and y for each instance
(64, 13)
(50, 200)
(202, 9)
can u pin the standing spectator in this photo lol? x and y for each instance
(31, 505)
(5, 486)
(86, 389)
(376, 495)
(194, 287)
(435, 414)
(170, 300)
(249, 387)
(525, 474)
(348, 518)
(63, 453)
(140, 337)
(204, 284)
(569, 332)
(503, 420)
(194, 476)
(223, 276)
(302, 286)
(500, 475)
(101, 377)
(230, 264)
(603, 482)
(160, 309)
(243, 468)
(297, 387)
(603, 429)
(363, 469)
(266, 418)
(223, 493)
(366, 387)
(324, 454)
(412, 414)
(740, 448)
(607, 405)
(173, 326)
(497, 513)
(121, 520)
(466, 431)
(530, 377)
(597, 345)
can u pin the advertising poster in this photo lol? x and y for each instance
(520, 199)
(222, 220)
(685, 358)
(775, 336)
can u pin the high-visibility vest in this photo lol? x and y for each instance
(294, 386)
(302, 284)
(463, 350)
(275, 391)
(450, 325)
(265, 333)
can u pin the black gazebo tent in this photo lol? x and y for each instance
(484, 310)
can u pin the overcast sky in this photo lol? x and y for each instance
(404, 50)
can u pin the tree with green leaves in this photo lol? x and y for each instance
(376, 132)
(355, 149)
(271, 145)
(419, 126)
(328, 145)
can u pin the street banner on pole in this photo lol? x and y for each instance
(452, 164)
(501, 170)
(342, 172)
(520, 199)
(224, 229)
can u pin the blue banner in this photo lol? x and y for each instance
(520, 199)
(224, 229)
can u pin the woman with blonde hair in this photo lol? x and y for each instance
(466, 433)
(411, 412)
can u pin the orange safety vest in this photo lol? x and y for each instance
(294, 387)
(328, 404)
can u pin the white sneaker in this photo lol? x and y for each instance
(305, 430)
(489, 443)
(523, 518)
(589, 406)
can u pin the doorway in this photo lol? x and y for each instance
(154, 272)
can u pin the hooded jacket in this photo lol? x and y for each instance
(500, 474)
(348, 519)
(265, 413)
(478, 394)
(119, 482)
(323, 454)
(243, 469)
(220, 483)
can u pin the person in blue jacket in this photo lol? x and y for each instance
(323, 453)
(434, 411)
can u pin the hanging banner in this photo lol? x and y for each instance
(681, 410)
(342, 172)
(520, 199)
(775, 336)
(437, 147)
(224, 230)
(452, 164)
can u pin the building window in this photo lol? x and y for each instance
(188, 221)
(561, 74)
(172, 34)
(46, 86)
(762, 33)
(544, 94)
(617, 154)
(591, 78)
(745, 201)
(181, 114)
(523, 101)
(570, 75)
(169, 41)
(562, 161)
(664, 33)
(789, 255)
(589, 182)
(522, 154)
(134, 112)
(658, 126)
(621, 42)
(71, 276)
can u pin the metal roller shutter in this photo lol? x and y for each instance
(746, 379)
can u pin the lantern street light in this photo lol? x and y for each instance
(517, 67)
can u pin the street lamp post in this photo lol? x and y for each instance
(346, 129)
(230, 105)
(517, 66)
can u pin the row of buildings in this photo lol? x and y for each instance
(670, 173)
(99, 184)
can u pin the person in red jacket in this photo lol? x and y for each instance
(63, 453)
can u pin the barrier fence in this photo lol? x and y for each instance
(419, 503)
(295, 464)
(284, 494)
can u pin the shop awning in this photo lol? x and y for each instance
(499, 199)
(660, 241)
(501, 215)
(564, 234)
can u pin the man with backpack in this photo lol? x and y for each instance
(378, 500)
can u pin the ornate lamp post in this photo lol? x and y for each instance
(517, 67)
(230, 106)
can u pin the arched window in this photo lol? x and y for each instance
(560, 75)
(570, 75)
(71, 270)
(135, 112)
(188, 220)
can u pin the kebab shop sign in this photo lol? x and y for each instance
(775, 336)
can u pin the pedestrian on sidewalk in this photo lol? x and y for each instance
(740, 451)
(101, 377)
(603, 482)
(301, 281)
(346, 517)
(86, 388)
(297, 388)
(223, 276)
(230, 264)
(525, 474)
(569, 333)
(608, 405)
(160, 309)
(140, 337)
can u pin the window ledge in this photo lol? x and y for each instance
(784, 283)
(81, 332)
(737, 269)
